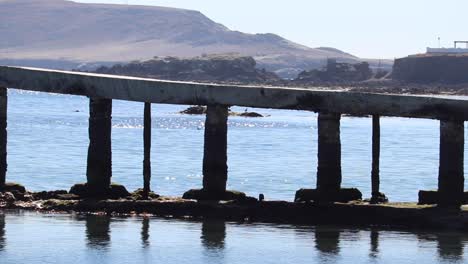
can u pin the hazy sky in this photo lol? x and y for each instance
(366, 28)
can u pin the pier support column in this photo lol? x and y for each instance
(3, 136)
(329, 152)
(451, 155)
(147, 150)
(99, 168)
(215, 169)
(377, 196)
(329, 165)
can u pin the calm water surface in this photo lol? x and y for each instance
(34, 238)
(47, 149)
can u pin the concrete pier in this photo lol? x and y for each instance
(330, 104)
(3, 136)
(99, 167)
(329, 165)
(451, 175)
(215, 168)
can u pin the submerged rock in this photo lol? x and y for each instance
(202, 195)
(115, 191)
(194, 110)
(201, 110)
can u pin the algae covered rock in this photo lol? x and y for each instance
(115, 191)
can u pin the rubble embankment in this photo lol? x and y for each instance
(355, 213)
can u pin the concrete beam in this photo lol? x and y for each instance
(215, 167)
(451, 157)
(99, 167)
(329, 153)
(3, 136)
(157, 91)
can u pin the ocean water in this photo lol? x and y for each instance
(39, 238)
(276, 155)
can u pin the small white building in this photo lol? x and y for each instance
(447, 51)
(454, 50)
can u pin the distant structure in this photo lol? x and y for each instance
(454, 50)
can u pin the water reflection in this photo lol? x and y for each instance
(374, 243)
(327, 243)
(449, 245)
(145, 232)
(213, 235)
(2, 232)
(98, 231)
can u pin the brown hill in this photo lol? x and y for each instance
(43, 31)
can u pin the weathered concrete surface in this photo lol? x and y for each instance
(329, 152)
(451, 175)
(3, 136)
(215, 167)
(156, 91)
(99, 165)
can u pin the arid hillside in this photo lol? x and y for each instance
(60, 33)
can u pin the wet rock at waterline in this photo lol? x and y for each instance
(201, 110)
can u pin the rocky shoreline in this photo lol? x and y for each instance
(356, 213)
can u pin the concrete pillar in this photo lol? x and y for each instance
(375, 155)
(215, 150)
(329, 152)
(99, 167)
(377, 196)
(147, 150)
(3, 136)
(451, 175)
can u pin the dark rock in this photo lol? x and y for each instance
(194, 110)
(378, 198)
(261, 197)
(7, 197)
(250, 114)
(115, 191)
(211, 68)
(200, 194)
(10, 187)
(68, 196)
(45, 195)
(343, 195)
(139, 195)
